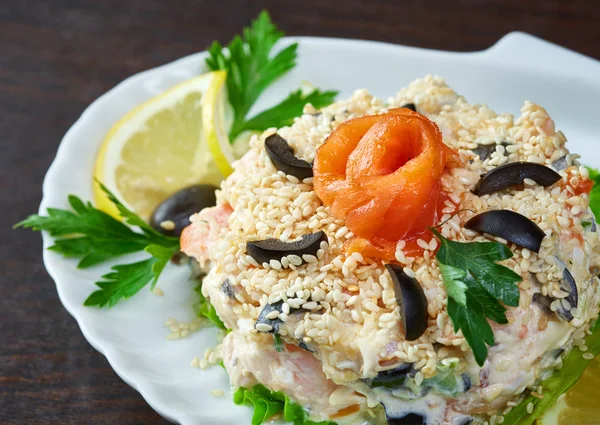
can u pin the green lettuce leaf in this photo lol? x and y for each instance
(573, 367)
(267, 404)
(204, 308)
(445, 381)
(595, 193)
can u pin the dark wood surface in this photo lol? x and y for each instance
(57, 56)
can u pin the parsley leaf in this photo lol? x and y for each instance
(134, 220)
(124, 281)
(455, 288)
(284, 113)
(267, 403)
(474, 326)
(475, 283)
(278, 343)
(479, 258)
(87, 233)
(95, 237)
(204, 308)
(251, 68)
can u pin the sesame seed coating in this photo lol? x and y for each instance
(344, 305)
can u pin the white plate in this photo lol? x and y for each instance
(132, 336)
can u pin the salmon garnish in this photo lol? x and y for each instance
(381, 173)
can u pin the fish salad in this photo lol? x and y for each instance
(334, 258)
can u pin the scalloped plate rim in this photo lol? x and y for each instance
(587, 68)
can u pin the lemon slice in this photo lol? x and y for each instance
(214, 119)
(581, 404)
(166, 144)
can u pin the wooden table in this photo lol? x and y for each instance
(58, 56)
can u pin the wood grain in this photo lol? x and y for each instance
(56, 57)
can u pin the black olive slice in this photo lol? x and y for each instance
(564, 313)
(410, 106)
(227, 289)
(283, 158)
(561, 163)
(543, 302)
(569, 285)
(305, 346)
(509, 225)
(178, 208)
(274, 249)
(466, 382)
(412, 302)
(273, 323)
(393, 377)
(409, 419)
(513, 174)
(485, 151)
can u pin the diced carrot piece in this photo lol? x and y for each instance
(346, 411)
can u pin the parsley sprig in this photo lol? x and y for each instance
(251, 68)
(476, 284)
(95, 237)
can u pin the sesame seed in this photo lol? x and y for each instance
(273, 315)
(274, 264)
(422, 244)
(530, 407)
(217, 393)
(338, 290)
(263, 327)
(536, 394)
(588, 356)
(358, 257)
(295, 302)
(167, 225)
(309, 258)
(419, 378)
(310, 305)
(341, 232)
